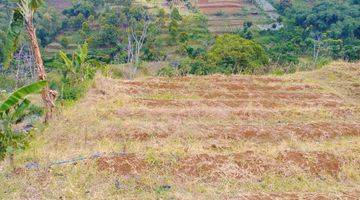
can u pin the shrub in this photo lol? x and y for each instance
(167, 71)
(234, 54)
(194, 51)
(220, 13)
(64, 41)
(196, 66)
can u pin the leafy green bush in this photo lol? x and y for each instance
(234, 54)
(64, 41)
(220, 13)
(196, 66)
(167, 71)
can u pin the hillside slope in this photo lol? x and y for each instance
(212, 137)
(230, 15)
(60, 5)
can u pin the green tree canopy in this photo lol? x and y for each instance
(234, 54)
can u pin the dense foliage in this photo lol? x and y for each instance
(232, 54)
(72, 75)
(313, 31)
(316, 29)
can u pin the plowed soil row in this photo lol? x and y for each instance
(243, 166)
(238, 108)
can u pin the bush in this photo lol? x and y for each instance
(64, 41)
(195, 66)
(194, 51)
(220, 13)
(71, 92)
(234, 54)
(167, 71)
(200, 67)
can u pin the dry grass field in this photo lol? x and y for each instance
(212, 137)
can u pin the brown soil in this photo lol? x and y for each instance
(202, 165)
(251, 165)
(314, 162)
(294, 196)
(288, 131)
(127, 164)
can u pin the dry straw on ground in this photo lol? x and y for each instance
(213, 137)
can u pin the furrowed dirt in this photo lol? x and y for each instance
(211, 137)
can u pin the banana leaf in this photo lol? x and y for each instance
(19, 110)
(20, 95)
(13, 37)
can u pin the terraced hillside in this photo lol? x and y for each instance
(212, 137)
(228, 16)
(223, 16)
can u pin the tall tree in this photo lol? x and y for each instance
(24, 14)
(138, 22)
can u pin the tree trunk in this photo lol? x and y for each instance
(47, 95)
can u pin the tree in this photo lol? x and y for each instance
(24, 15)
(48, 24)
(173, 31)
(234, 54)
(284, 4)
(175, 18)
(138, 23)
(161, 17)
(246, 31)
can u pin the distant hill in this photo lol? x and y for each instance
(60, 5)
(224, 15)
(229, 15)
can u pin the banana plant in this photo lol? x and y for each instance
(79, 66)
(11, 111)
(23, 19)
